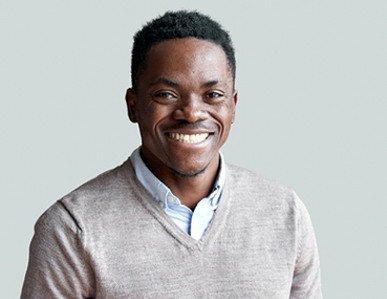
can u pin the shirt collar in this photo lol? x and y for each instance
(161, 193)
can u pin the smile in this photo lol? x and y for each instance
(189, 138)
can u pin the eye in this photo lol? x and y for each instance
(215, 95)
(165, 96)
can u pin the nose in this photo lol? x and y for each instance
(190, 109)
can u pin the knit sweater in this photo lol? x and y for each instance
(110, 239)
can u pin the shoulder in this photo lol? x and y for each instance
(242, 178)
(103, 186)
(106, 182)
(103, 197)
(259, 190)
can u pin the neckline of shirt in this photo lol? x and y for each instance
(162, 194)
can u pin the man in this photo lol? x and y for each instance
(174, 220)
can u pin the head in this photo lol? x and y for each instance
(183, 95)
(178, 25)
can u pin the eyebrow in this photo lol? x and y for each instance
(211, 83)
(173, 83)
(165, 81)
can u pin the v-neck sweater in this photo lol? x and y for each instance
(110, 239)
(192, 222)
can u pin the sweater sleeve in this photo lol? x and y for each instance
(57, 266)
(306, 278)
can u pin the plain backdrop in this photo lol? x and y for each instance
(312, 114)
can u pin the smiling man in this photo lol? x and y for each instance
(174, 220)
(184, 104)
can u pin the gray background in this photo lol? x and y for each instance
(311, 114)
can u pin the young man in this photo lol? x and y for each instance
(174, 220)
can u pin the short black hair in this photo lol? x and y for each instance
(175, 25)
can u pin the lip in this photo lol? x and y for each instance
(184, 138)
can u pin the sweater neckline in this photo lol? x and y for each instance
(214, 228)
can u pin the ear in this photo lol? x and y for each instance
(235, 100)
(131, 103)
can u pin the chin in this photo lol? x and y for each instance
(188, 173)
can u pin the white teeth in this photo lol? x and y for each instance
(189, 138)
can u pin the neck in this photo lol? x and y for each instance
(189, 188)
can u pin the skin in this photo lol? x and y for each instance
(186, 87)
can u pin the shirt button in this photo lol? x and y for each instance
(162, 204)
(171, 199)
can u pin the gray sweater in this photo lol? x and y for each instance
(109, 239)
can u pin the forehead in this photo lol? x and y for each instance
(188, 56)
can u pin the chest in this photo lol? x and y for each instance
(251, 259)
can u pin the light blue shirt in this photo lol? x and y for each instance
(194, 223)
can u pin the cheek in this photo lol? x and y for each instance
(152, 116)
(225, 116)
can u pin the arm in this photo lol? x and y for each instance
(306, 278)
(57, 265)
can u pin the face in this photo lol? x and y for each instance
(184, 104)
